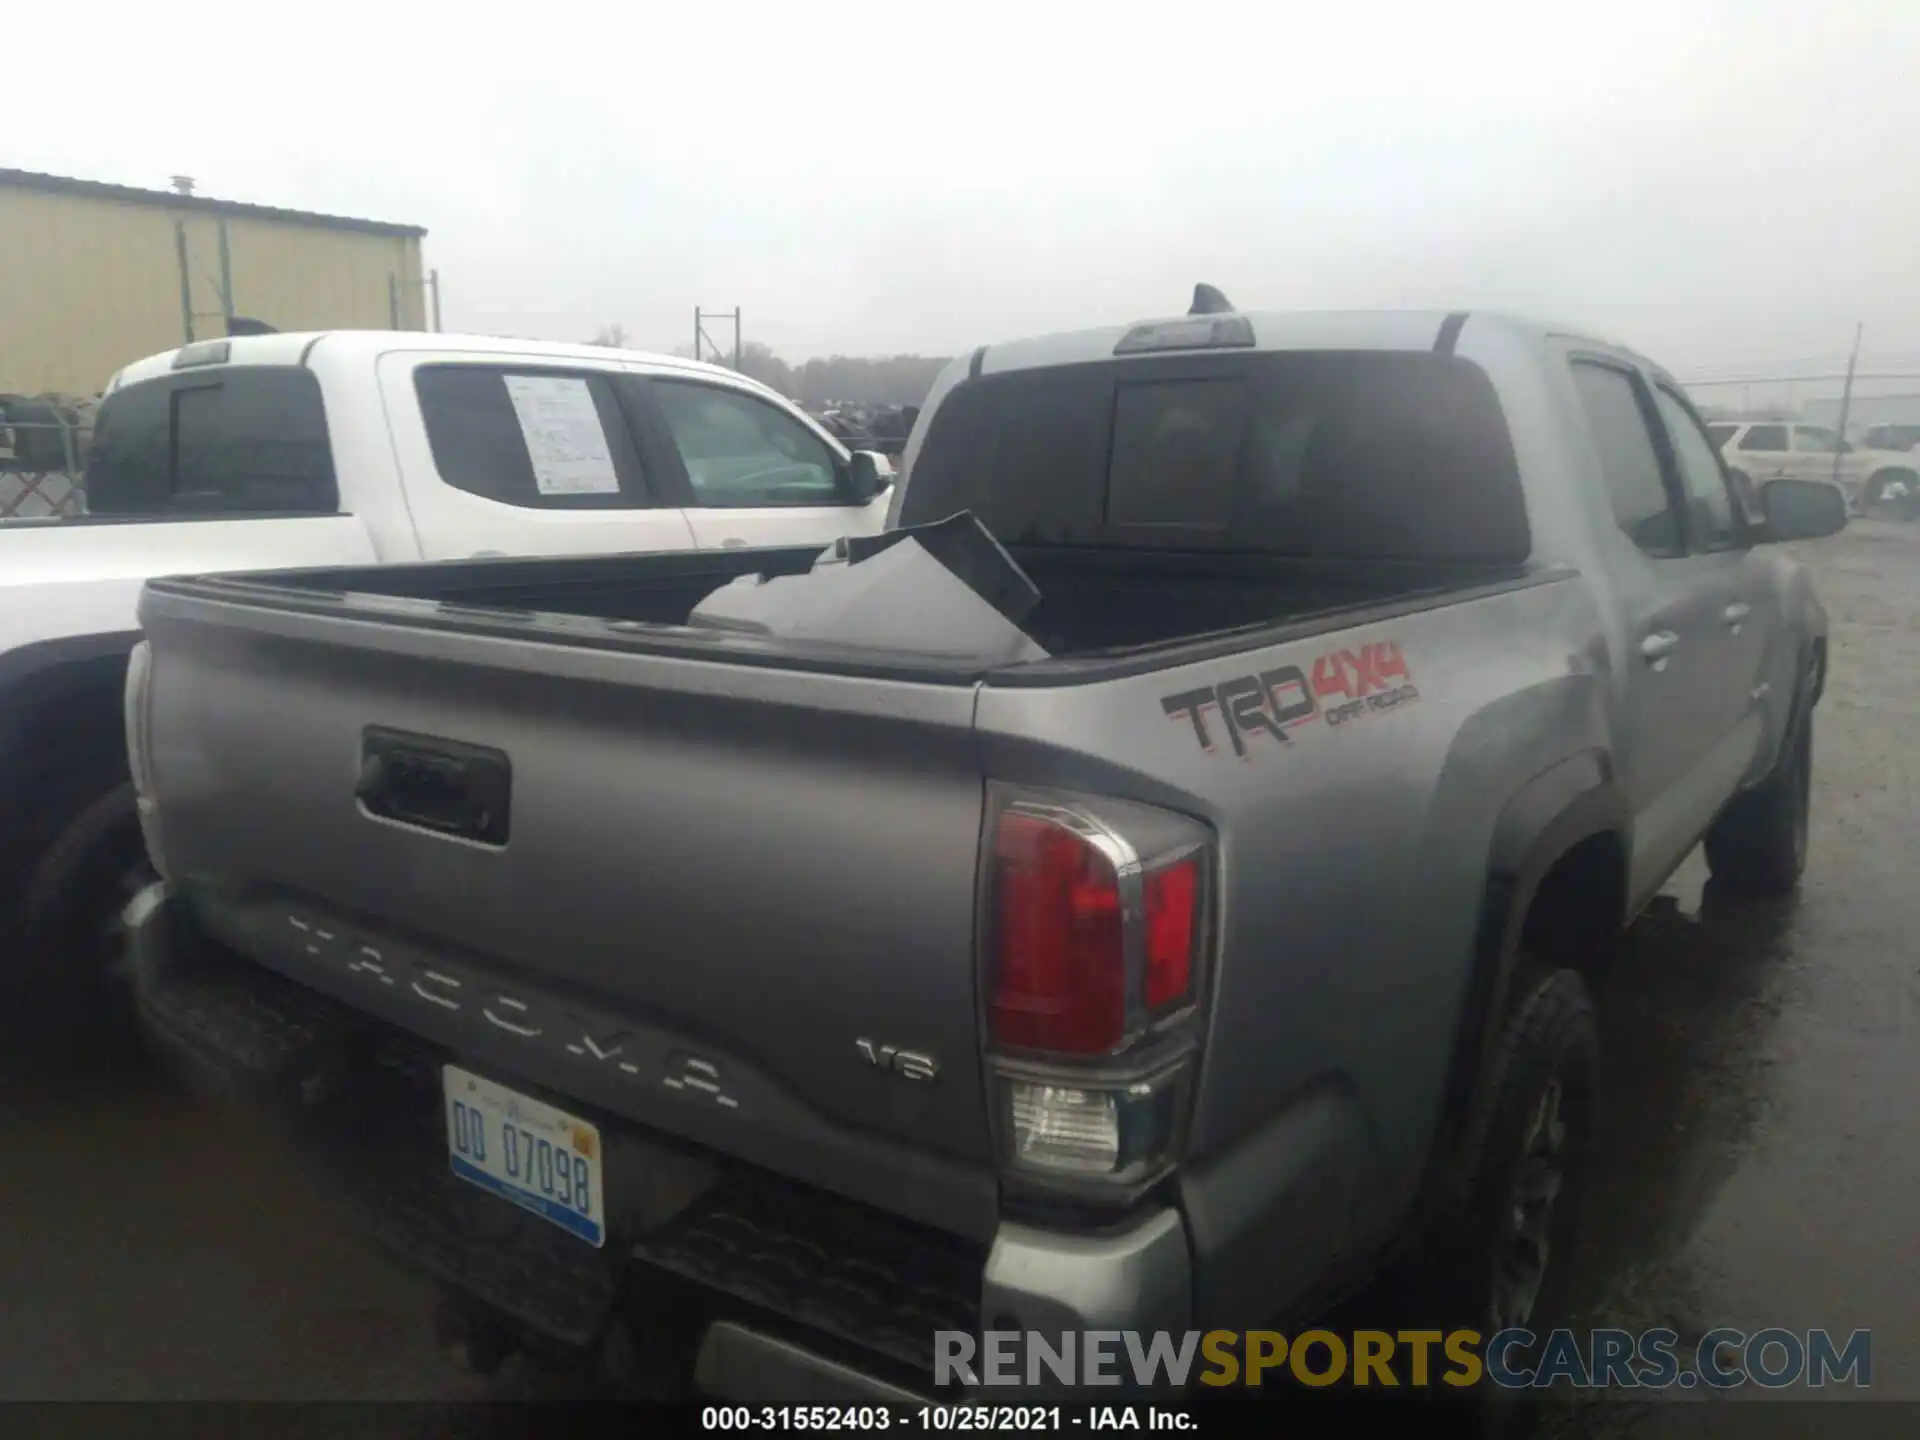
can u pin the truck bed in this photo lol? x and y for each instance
(1093, 602)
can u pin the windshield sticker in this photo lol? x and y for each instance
(1340, 687)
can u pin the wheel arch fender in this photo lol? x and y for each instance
(1577, 805)
(33, 675)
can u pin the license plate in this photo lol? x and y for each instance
(540, 1158)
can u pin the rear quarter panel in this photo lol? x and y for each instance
(1354, 854)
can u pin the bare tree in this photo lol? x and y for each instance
(868, 379)
(760, 363)
(612, 336)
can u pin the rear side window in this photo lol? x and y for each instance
(243, 440)
(1764, 437)
(1629, 463)
(1720, 434)
(536, 439)
(1350, 454)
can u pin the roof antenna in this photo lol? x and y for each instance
(1209, 301)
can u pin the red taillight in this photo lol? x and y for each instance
(1060, 976)
(1172, 906)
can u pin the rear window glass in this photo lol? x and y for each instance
(244, 440)
(1354, 454)
(1176, 448)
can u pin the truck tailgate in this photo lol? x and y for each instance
(715, 881)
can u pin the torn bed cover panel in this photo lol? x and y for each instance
(944, 589)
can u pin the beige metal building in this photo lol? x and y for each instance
(93, 276)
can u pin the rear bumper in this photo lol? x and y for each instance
(783, 1292)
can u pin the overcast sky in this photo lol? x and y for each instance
(1721, 185)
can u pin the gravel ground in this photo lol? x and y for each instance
(1762, 1144)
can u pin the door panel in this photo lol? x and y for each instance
(465, 442)
(1673, 661)
(784, 525)
(1729, 616)
(1745, 603)
(1678, 709)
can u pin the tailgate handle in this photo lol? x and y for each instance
(446, 786)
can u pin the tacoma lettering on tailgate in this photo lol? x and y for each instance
(1340, 686)
(600, 1042)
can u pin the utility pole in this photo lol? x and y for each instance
(702, 341)
(1846, 401)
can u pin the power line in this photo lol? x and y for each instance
(1836, 377)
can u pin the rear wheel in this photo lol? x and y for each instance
(1536, 1151)
(1759, 845)
(70, 974)
(1501, 1261)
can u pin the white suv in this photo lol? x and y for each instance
(1757, 451)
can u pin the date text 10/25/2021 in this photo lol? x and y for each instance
(942, 1419)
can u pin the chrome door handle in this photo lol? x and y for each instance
(1737, 612)
(1657, 646)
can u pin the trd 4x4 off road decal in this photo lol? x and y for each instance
(1340, 686)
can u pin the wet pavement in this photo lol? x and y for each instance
(1762, 1147)
(1761, 1151)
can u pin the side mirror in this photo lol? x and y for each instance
(865, 478)
(1803, 509)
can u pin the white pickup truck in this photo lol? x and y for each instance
(348, 448)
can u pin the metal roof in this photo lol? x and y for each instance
(364, 347)
(201, 204)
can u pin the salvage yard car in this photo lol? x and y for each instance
(1760, 450)
(788, 999)
(344, 448)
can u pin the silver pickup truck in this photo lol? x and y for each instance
(811, 998)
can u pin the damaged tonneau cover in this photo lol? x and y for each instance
(946, 588)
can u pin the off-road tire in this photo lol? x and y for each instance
(1545, 1061)
(1549, 1036)
(64, 976)
(1759, 844)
